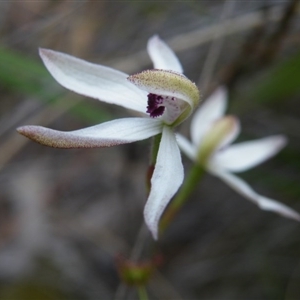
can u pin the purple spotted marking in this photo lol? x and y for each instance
(155, 105)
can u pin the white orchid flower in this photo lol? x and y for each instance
(212, 134)
(162, 96)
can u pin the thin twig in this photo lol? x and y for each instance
(186, 41)
(253, 55)
(215, 48)
(48, 114)
(274, 42)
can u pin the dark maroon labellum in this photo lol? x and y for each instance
(154, 107)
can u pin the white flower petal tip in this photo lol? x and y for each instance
(63, 140)
(107, 134)
(279, 142)
(277, 207)
(92, 80)
(264, 203)
(219, 97)
(162, 55)
(43, 52)
(166, 179)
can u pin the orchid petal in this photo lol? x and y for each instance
(167, 83)
(243, 156)
(187, 147)
(107, 134)
(245, 190)
(162, 55)
(166, 179)
(210, 111)
(96, 81)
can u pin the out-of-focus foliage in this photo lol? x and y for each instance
(279, 83)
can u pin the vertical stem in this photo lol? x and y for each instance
(176, 204)
(215, 48)
(155, 147)
(142, 293)
(154, 151)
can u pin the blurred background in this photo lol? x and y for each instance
(65, 215)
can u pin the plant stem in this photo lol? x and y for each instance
(187, 188)
(142, 292)
(155, 147)
(154, 151)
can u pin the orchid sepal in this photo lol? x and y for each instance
(162, 55)
(93, 80)
(167, 177)
(116, 132)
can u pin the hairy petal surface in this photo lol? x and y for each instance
(210, 111)
(264, 203)
(166, 179)
(246, 155)
(92, 80)
(116, 132)
(167, 83)
(162, 55)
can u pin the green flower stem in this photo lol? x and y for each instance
(187, 188)
(155, 146)
(142, 292)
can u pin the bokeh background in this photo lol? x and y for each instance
(65, 215)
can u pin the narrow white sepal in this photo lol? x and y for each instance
(211, 110)
(92, 80)
(116, 132)
(262, 202)
(166, 179)
(162, 55)
(243, 156)
(275, 206)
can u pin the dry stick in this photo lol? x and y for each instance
(15, 142)
(142, 235)
(199, 37)
(38, 27)
(215, 48)
(273, 45)
(250, 58)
